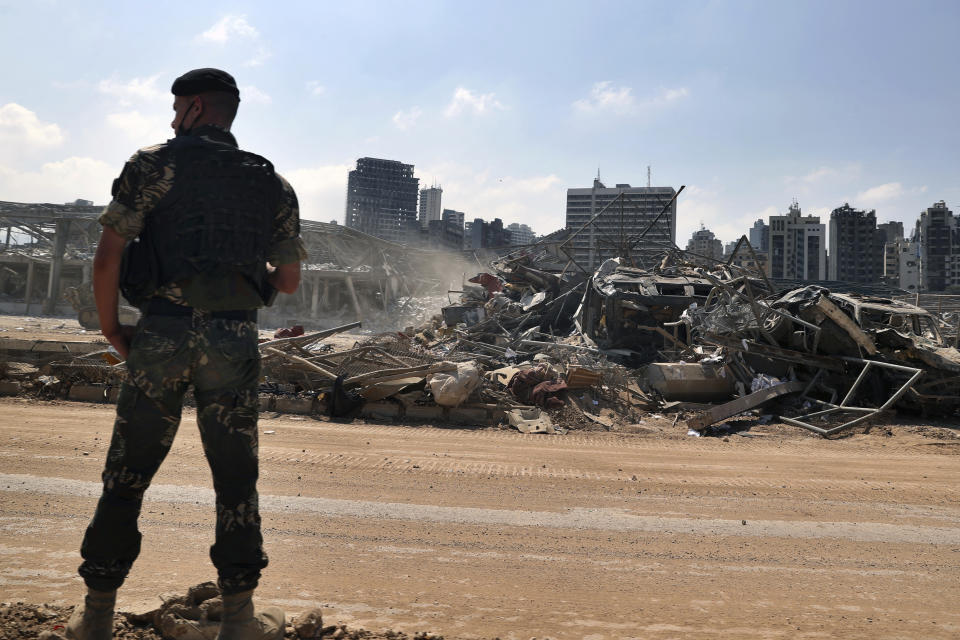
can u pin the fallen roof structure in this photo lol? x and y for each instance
(44, 247)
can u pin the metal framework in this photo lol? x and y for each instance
(865, 412)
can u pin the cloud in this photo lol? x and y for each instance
(235, 27)
(315, 88)
(702, 205)
(252, 95)
(134, 90)
(142, 129)
(604, 96)
(669, 95)
(322, 191)
(229, 27)
(696, 206)
(466, 100)
(261, 55)
(729, 227)
(607, 98)
(880, 194)
(61, 181)
(818, 174)
(823, 175)
(534, 200)
(20, 126)
(407, 119)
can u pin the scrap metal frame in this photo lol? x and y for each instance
(868, 412)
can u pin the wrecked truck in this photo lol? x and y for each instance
(624, 310)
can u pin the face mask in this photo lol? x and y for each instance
(183, 130)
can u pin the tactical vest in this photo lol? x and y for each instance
(218, 217)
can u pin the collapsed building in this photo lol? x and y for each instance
(534, 340)
(46, 266)
(350, 276)
(45, 249)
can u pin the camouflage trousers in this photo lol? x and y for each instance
(169, 353)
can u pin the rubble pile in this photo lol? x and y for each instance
(848, 355)
(194, 615)
(538, 347)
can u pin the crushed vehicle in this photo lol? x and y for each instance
(627, 309)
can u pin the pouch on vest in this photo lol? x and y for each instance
(268, 293)
(139, 271)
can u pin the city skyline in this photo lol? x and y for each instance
(749, 104)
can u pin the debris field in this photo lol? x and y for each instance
(543, 348)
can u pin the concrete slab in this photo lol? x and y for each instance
(381, 410)
(692, 381)
(266, 402)
(9, 388)
(462, 415)
(301, 406)
(88, 393)
(424, 412)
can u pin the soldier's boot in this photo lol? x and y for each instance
(93, 620)
(241, 622)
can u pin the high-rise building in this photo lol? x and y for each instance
(468, 233)
(495, 235)
(444, 234)
(937, 234)
(628, 212)
(891, 262)
(707, 247)
(893, 244)
(382, 199)
(908, 265)
(520, 233)
(430, 205)
(856, 245)
(743, 257)
(456, 218)
(892, 230)
(447, 232)
(480, 234)
(797, 246)
(760, 236)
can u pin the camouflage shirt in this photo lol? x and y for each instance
(147, 176)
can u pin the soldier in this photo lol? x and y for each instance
(197, 235)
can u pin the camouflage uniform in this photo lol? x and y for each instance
(219, 357)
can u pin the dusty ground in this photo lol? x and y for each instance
(45, 328)
(68, 329)
(489, 533)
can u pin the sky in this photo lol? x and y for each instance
(506, 105)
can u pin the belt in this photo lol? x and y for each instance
(162, 307)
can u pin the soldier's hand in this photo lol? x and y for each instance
(121, 338)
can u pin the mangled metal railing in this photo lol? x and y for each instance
(867, 412)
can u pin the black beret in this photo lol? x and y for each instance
(203, 80)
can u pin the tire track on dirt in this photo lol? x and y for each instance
(597, 519)
(853, 487)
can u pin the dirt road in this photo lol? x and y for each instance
(488, 533)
